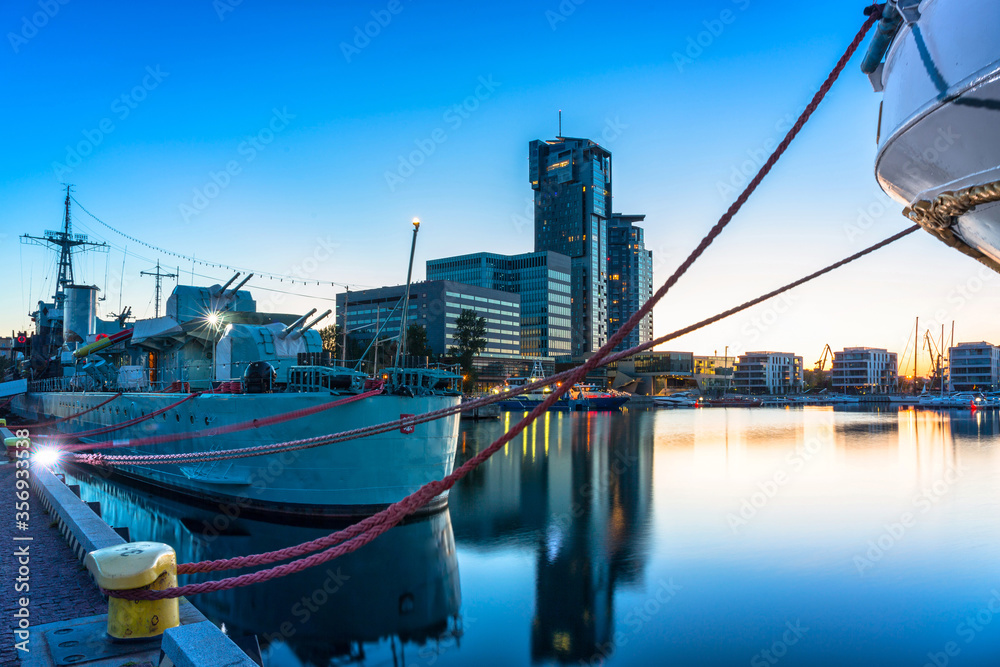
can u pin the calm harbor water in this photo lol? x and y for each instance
(804, 536)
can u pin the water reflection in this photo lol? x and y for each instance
(398, 595)
(577, 490)
(687, 537)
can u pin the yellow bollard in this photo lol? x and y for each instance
(13, 445)
(132, 566)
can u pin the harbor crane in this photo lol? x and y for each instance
(827, 354)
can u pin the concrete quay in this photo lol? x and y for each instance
(54, 614)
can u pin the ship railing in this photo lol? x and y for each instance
(423, 380)
(50, 384)
(335, 379)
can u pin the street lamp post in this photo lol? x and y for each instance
(400, 351)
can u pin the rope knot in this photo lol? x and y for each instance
(875, 10)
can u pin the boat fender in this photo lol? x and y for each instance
(132, 566)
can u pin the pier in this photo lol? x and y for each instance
(53, 609)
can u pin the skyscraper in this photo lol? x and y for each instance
(572, 183)
(630, 278)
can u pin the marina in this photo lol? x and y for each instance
(527, 452)
(653, 535)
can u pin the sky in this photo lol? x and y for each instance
(299, 139)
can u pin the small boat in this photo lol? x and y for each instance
(602, 399)
(962, 399)
(580, 397)
(680, 399)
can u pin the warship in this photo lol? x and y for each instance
(214, 373)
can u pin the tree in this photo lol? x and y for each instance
(416, 341)
(470, 334)
(331, 336)
(815, 379)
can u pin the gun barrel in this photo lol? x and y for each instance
(228, 283)
(242, 283)
(311, 324)
(291, 327)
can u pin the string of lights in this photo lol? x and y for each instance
(294, 280)
(219, 279)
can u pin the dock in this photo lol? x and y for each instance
(491, 411)
(54, 612)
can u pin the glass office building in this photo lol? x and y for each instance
(572, 183)
(542, 279)
(630, 278)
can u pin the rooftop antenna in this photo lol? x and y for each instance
(560, 124)
(159, 278)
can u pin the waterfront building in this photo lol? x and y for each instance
(572, 183)
(650, 373)
(865, 370)
(630, 278)
(541, 279)
(435, 305)
(714, 374)
(768, 373)
(974, 366)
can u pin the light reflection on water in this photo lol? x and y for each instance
(692, 537)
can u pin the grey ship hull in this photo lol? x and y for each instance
(353, 478)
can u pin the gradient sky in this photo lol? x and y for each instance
(139, 105)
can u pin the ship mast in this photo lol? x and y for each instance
(65, 241)
(159, 279)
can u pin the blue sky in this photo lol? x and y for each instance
(282, 138)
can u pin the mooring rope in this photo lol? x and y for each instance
(329, 540)
(125, 424)
(216, 430)
(78, 414)
(370, 528)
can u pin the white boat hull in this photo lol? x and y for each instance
(939, 127)
(351, 478)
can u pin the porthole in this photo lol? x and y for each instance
(178, 417)
(192, 419)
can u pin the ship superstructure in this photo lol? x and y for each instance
(213, 373)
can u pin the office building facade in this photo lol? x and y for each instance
(435, 305)
(571, 179)
(630, 278)
(541, 279)
(974, 366)
(768, 373)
